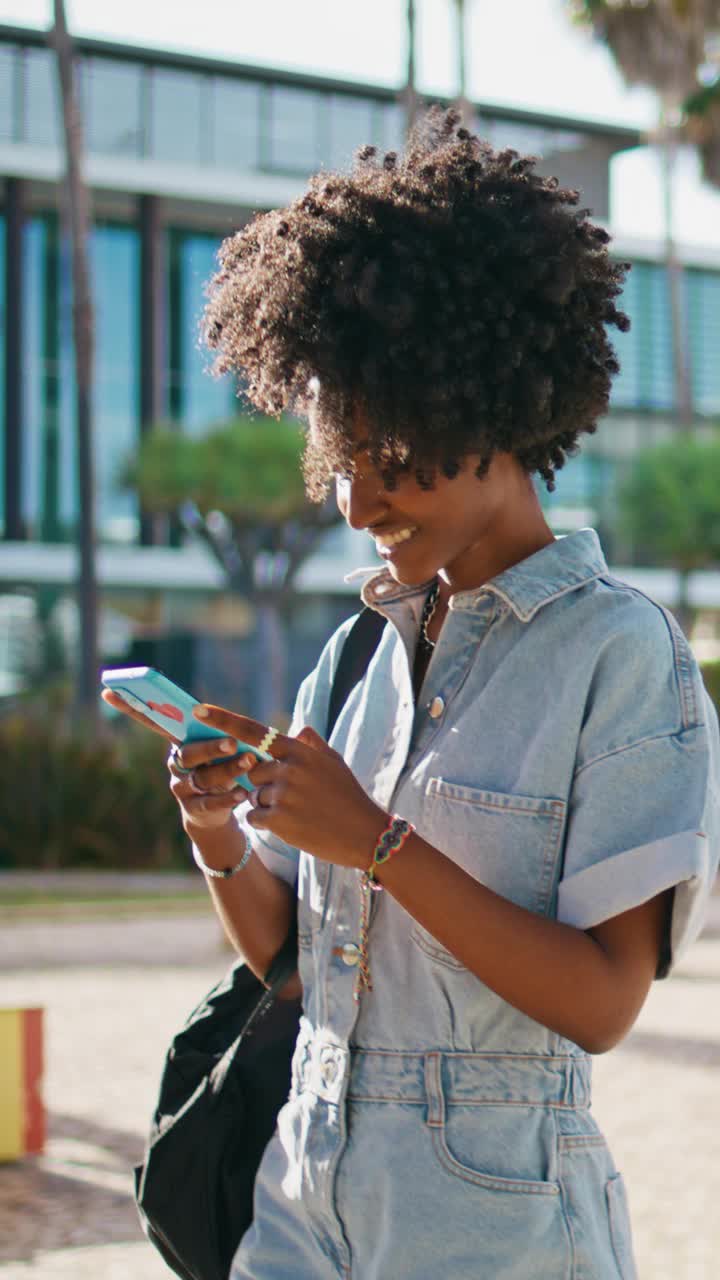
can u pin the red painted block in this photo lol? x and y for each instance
(22, 1111)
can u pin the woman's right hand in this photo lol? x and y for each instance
(206, 792)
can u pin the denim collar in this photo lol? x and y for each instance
(562, 566)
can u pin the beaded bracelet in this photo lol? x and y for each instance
(389, 842)
(226, 872)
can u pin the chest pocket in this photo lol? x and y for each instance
(510, 843)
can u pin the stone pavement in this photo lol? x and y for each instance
(115, 991)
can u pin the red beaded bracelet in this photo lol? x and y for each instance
(389, 842)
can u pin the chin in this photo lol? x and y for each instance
(408, 577)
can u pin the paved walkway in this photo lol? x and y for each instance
(122, 989)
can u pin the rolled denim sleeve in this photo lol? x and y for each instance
(642, 819)
(311, 708)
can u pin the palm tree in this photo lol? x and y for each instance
(703, 128)
(409, 94)
(462, 102)
(78, 206)
(661, 44)
(239, 488)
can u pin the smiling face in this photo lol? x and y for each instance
(466, 529)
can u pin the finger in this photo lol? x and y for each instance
(185, 786)
(195, 804)
(246, 730)
(309, 735)
(119, 704)
(259, 817)
(264, 797)
(262, 771)
(221, 777)
(194, 754)
(214, 780)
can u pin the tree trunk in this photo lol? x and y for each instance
(461, 102)
(87, 684)
(676, 281)
(409, 95)
(271, 660)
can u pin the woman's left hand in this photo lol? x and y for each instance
(306, 795)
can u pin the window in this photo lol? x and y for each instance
(625, 392)
(294, 133)
(8, 121)
(197, 399)
(42, 99)
(645, 353)
(351, 125)
(390, 135)
(178, 114)
(703, 301)
(115, 272)
(112, 106)
(2, 371)
(35, 332)
(235, 123)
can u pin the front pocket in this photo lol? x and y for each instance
(499, 1148)
(510, 843)
(620, 1230)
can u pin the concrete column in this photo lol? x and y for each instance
(14, 299)
(153, 292)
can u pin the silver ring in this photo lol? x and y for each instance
(174, 753)
(198, 791)
(258, 801)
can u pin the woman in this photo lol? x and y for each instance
(528, 771)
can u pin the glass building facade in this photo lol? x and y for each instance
(196, 401)
(185, 150)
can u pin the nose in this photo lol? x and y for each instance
(362, 500)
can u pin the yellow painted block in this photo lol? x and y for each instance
(12, 1116)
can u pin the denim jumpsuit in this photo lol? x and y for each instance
(564, 752)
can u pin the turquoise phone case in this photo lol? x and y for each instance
(170, 707)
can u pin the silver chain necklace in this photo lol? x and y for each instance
(426, 617)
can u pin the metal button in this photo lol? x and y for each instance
(350, 953)
(436, 707)
(328, 1071)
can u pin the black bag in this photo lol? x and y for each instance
(226, 1076)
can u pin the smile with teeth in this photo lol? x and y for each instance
(393, 539)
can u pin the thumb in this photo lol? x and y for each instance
(312, 739)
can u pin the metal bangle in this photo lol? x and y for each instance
(226, 872)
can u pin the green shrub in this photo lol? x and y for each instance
(69, 802)
(711, 676)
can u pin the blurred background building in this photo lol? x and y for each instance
(181, 150)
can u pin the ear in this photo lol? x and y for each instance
(312, 739)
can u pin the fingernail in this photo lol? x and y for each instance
(246, 761)
(228, 746)
(201, 713)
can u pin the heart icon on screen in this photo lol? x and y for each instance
(167, 709)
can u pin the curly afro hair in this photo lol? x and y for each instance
(452, 294)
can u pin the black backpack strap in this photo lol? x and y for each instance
(360, 644)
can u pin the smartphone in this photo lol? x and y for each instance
(167, 705)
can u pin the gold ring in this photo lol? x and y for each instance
(268, 740)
